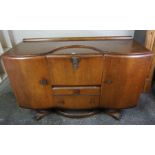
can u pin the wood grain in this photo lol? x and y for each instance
(62, 73)
(25, 75)
(77, 101)
(78, 73)
(115, 46)
(123, 80)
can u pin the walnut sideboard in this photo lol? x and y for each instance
(78, 73)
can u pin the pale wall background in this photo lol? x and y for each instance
(18, 35)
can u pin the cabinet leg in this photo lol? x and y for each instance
(41, 113)
(116, 114)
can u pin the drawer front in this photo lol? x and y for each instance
(77, 101)
(93, 90)
(75, 70)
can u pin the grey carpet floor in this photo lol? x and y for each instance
(11, 114)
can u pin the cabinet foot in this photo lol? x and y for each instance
(41, 113)
(116, 114)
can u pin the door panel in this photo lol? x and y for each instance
(75, 69)
(25, 75)
(123, 81)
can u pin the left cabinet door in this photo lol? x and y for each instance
(30, 81)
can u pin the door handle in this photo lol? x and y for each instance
(43, 82)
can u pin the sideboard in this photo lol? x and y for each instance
(78, 73)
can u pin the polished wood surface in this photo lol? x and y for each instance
(25, 75)
(88, 72)
(84, 74)
(112, 45)
(87, 97)
(123, 81)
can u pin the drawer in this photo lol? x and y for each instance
(93, 90)
(77, 101)
(75, 70)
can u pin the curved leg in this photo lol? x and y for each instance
(116, 114)
(41, 113)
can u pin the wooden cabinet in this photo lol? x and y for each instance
(47, 74)
(123, 81)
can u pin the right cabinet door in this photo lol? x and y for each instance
(123, 80)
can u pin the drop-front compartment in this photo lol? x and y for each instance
(70, 70)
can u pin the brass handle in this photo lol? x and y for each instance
(43, 82)
(75, 62)
(108, 81)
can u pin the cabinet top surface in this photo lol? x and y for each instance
(77, 46)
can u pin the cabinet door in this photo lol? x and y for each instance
(123, 81)
(29, 80)
(75, 69)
